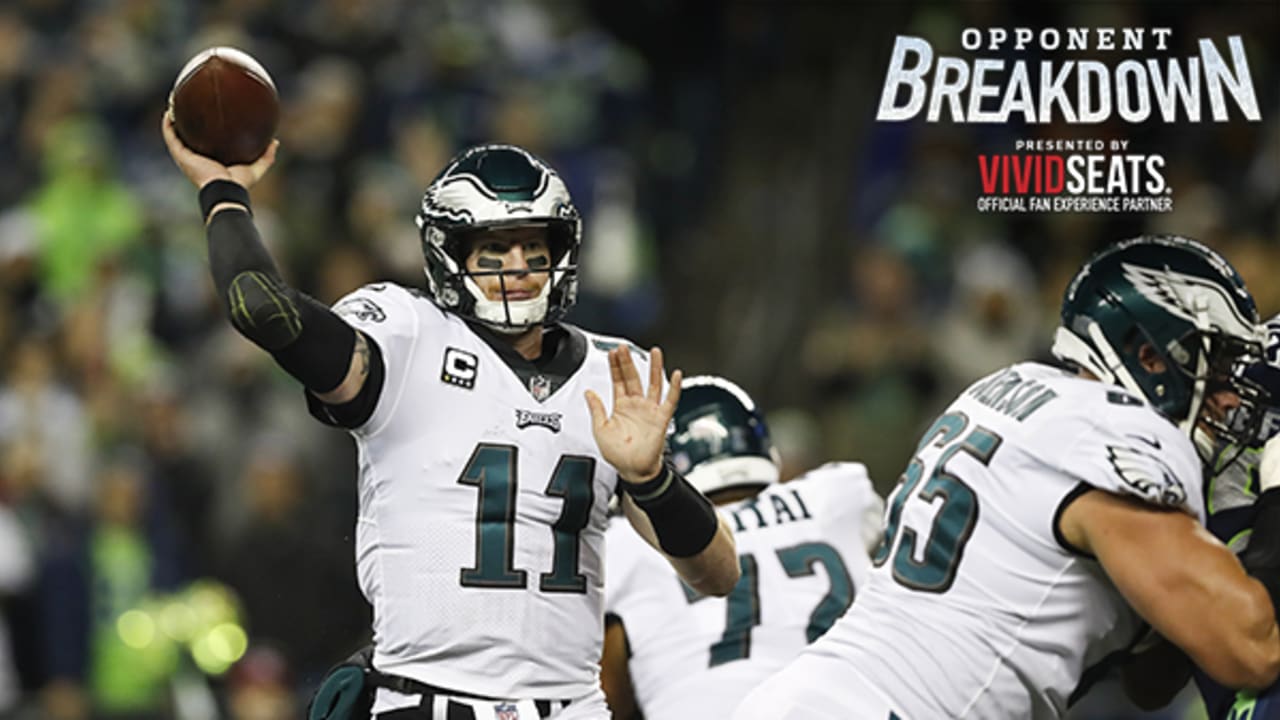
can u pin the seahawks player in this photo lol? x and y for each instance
(1232, 507)
(1048, 513)
(671, 652)
(482, 491)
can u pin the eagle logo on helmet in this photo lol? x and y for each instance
(708, 430)
(433, 208)
(1185, 296)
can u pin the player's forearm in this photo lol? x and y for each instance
(1262, 561)
(1184, 582)
(235, 247)
(684, 525)
(1245, 654)
(306, 338)
(715, 570)
(1218, 616)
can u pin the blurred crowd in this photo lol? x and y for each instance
(175, 532)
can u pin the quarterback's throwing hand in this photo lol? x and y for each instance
(200, 170)
(633, 437)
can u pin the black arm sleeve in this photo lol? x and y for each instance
(357, 410)
(684, 520)
(306, 338)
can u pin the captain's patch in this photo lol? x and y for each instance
(460, 368)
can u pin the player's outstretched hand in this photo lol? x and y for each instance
(200, 170)
(632, 439)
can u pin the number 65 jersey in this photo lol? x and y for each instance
(483, 501)
(977, 606)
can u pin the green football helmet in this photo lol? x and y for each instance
(720, 439)
(490, 187)
(1190, 306)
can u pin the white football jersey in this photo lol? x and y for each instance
(977, 607)
(482, 503)
(803, 549)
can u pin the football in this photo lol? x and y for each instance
(225, 106)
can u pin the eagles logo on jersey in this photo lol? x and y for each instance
(360, 308)
(1134, 467)
(489, 187)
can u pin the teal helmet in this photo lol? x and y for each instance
(491, 187)
(1191, 308)
(720, 440)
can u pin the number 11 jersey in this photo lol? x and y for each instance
(483, 501)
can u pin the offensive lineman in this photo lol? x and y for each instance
(802, 547)
(1047, 513)
(482, 494)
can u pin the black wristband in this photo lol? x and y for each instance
(649, 489)
(1262, 558)
(220, 191)
(684, 520)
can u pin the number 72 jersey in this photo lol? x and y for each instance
(977, 606)
(802, 548)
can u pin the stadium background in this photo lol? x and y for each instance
(742, 209)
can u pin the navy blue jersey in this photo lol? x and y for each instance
(1229, 505)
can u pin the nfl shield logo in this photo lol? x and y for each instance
(540, 387)
(505, 711)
